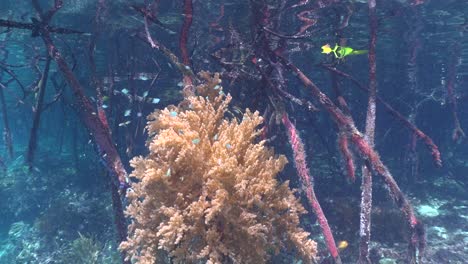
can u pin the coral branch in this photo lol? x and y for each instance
(207, 192)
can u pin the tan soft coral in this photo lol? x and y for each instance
(207, 191)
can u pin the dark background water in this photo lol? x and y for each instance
(62, 203)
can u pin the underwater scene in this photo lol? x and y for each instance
(234, 131)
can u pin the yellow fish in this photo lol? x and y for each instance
(342, 244)
(341, 52)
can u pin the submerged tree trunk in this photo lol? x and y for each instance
(6, 126)
(100, 135)
(366, 185)
(32, 146)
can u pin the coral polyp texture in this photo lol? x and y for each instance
(207, 191)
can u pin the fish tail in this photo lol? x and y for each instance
(357, 52)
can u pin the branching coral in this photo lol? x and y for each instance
(207, 191)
